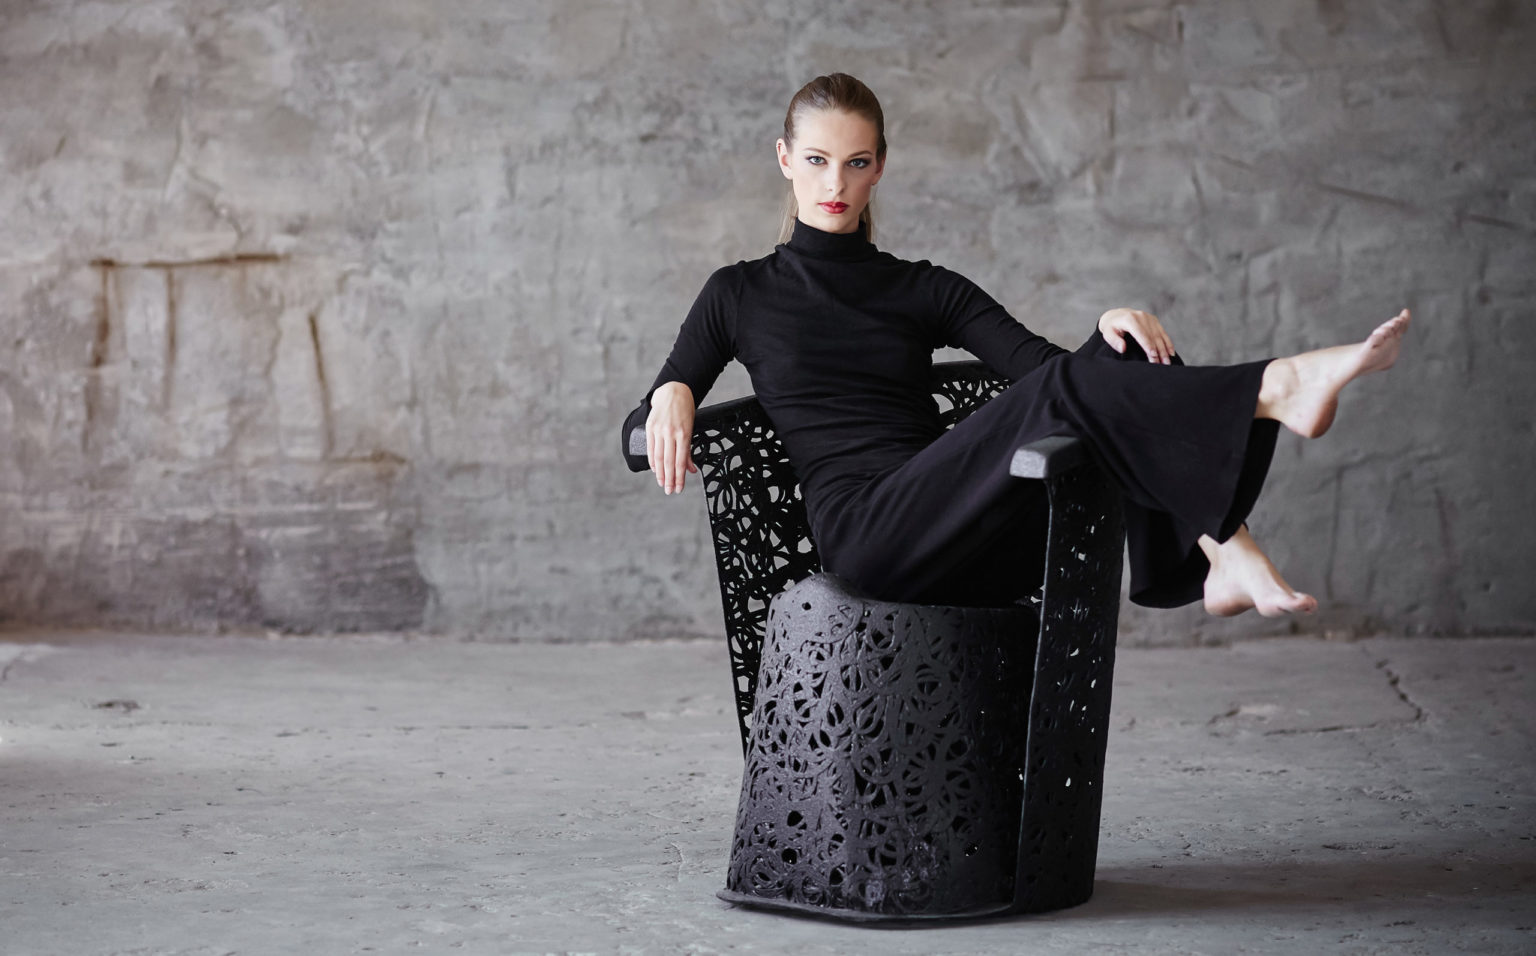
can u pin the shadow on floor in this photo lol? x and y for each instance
(1200, 887)
(1210, 888)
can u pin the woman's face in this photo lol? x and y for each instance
(832, 167)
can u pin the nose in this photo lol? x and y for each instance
(835, 181)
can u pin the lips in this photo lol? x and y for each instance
(834, 207)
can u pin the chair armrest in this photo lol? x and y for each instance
(637, 440)
(722, 413)
(718, 415)
(1049, 457)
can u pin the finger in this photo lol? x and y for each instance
(1164, 340)
(671, 461)
(1115, 339)
(664, 462)
(1147, 345)
(1161, 347)
(1152, 332)
(689, 468)
(667, 452)
(1127, 327)
(680, 463)
(674, 469)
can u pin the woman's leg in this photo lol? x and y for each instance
(953, 526)
(1302, 393)
(1191, 466)
(1242, 578)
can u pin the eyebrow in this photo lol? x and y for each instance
(862, 152)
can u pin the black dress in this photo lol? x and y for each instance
(838, 338)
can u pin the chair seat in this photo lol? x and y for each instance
(885, 767)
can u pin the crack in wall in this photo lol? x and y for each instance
(327, 437)
(103, 331)
(1492, 221)
(1460, 215)
(1364, 196)
(168, 380)
(97, 358)
(235, 259)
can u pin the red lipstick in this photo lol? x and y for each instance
(834, 207)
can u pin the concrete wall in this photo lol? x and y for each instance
(323, 316)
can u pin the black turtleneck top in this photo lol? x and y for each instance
(838, 339)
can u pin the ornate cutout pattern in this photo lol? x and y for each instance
(1070, 696)
(762, 539)
(886, 768)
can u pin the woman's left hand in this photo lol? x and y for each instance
(1143, 327)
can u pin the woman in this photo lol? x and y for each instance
(838, 340)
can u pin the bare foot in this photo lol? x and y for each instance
(1242, 577)
(1302, 392)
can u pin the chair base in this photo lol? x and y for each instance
(886, 765)
(865, 916)
(854, 915)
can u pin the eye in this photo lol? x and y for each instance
(860, 163)
(815, 160)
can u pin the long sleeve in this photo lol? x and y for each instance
(705, 343)
(971, 319)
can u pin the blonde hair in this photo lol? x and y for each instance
(836, 91)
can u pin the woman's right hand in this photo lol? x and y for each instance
(669, 435)
(1144, 327)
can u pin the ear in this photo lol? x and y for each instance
(783, 151)
(879, 170)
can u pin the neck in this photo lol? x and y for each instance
(815, 243)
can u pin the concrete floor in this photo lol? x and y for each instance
(312, 795)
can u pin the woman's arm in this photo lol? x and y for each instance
(974, 321)
(705, 343)
(971, 319)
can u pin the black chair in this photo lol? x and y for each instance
(903, 760)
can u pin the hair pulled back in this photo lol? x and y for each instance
(835, 91)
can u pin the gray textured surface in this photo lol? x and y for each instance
(237, 795)
(324, 315)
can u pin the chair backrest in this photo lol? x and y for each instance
(762, 538)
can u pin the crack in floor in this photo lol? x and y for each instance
(1292, 731)
(1394, 680)
(21, 653)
